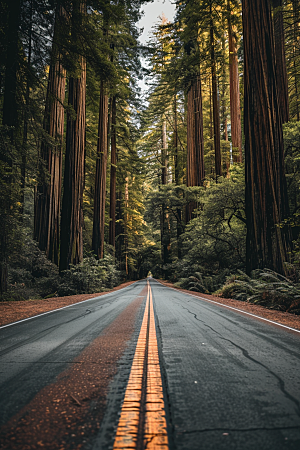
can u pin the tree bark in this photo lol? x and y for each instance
(100, 178)
(9, 119)
(164, 161)
(165, 234)
(176, 174)
(113, 172)
(281, 73)
(175, 142)
(10, 103)
(195, 144)
(268, 245)
(26, 114)
(296, 55)
(216, 109)
(71, 242)
(235, 109)
(48, 193)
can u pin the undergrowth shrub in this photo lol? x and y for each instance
(90, 276)
(32, 276)
(263, 287)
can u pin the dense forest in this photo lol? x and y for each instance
(196, 181)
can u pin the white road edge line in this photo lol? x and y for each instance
(63, 307)
(231, 307)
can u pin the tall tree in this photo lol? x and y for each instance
(235, 110)
(10, 59)
(165, 233)
(195, 145)
(113, 172)
(215, 101)
(268, 243)
(71, 242)
(100, 178)
(10, 102)
(48, 193)
(281, 73)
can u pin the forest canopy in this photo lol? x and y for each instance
(195, 180)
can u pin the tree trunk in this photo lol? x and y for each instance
(48, 196)
(176, 174)
(175, 142)
(71, 243)
(113, 171)
(223, 89)
(281, 73)
(10, 104)
(100, 178)
(26, 114)
(164, 161)
(10, 119)
(126, 218)
(216, 110)
(296, 55)
(165, 235)
(268, 245)
(195, 144)
(235, 109)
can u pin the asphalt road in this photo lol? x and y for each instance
(230, 381)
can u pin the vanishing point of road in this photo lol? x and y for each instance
(149, 367)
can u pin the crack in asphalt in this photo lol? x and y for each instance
(203, 430)
(246, 354)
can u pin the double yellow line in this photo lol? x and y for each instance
(142, 422)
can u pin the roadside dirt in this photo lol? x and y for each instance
(283, 318)
(14, 311)
(67, 414)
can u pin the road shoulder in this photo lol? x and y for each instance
(284, 318)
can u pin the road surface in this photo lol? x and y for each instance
(149, 367)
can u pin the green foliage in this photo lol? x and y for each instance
(266, 288)
(90, 276)
(31, 275)
(214, 241)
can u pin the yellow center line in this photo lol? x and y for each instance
(155, 426)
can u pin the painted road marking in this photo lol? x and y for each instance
(143, 411)
(232, 307)
(64, 307)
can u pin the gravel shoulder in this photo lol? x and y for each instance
(284, 318)
(13, 311)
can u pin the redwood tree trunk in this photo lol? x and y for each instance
(48, 194)
(235, 109)
(113, 172)
(100, 178)
(165, 234)
(179, 214)
(281, 74)
(267, 245)
(216, 109)
(296, 56)
(10, 119)
(195, 144)
(71, 242)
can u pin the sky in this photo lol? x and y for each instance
(152, 13)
